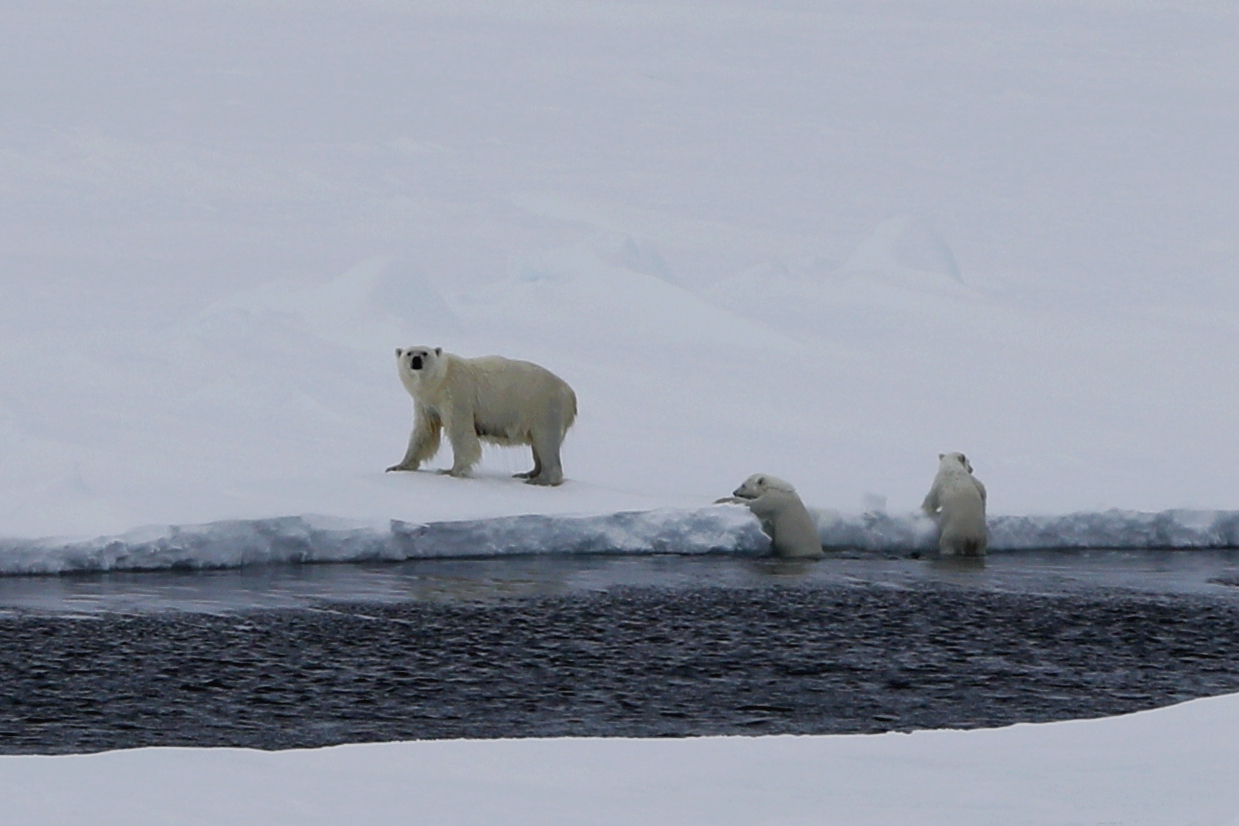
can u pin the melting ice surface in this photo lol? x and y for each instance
(686, 532)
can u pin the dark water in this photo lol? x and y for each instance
(310, 656)
(304, 586)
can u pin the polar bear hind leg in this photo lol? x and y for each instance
(537, 468)
(545, 441)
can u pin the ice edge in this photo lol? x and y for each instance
(712, 530)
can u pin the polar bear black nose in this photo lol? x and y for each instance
(416, 362)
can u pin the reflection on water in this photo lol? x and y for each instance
(953, 564)
(301, 586)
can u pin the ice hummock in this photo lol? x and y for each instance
(713, 530)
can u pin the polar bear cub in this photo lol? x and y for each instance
(488, 399)
(957, 502)
(783, 516)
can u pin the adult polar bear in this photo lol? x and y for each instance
(491, 399)
(957, 501)
(783, 516)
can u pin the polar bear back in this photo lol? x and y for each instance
(511, 398)
(957, 500)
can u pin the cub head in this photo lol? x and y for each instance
(954, 461)
(415, 362)
(759, 483)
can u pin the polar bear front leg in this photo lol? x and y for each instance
(423, 441)
(466, 448)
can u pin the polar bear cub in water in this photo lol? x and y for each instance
(488, 399)
(957, 502)
(783, 516)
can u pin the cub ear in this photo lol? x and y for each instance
(963, 460)
(941, 456)
(438, 351)
(399, 352)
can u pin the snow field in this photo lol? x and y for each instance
(825, 243)
(1171, 765)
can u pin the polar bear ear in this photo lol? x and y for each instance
(941, 456)
(399, 352)
(438, 351)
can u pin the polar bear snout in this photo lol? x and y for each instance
(416, 359)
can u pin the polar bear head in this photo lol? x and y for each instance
(759, 483)
(416, 363)
(954, 462)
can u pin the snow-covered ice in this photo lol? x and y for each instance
(822, 242)
(1168, 766)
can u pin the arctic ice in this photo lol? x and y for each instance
(715, 530)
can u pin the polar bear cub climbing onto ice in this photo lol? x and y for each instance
(957, 502)
(783, 516)
(488, 399)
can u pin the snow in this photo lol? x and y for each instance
(826, 242)
(1171, 765)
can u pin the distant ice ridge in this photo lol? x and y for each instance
(715, 530)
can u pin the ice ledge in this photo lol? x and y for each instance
(712, 530)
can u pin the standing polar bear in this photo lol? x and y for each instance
(957, 502)
(783, 516)
(491, 399)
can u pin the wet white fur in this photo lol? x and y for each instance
(783, 516)
(488, 399)
(957, 502)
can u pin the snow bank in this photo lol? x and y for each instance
(306, 539)
(714, 530)
(1170, 765)
(1119, 529)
